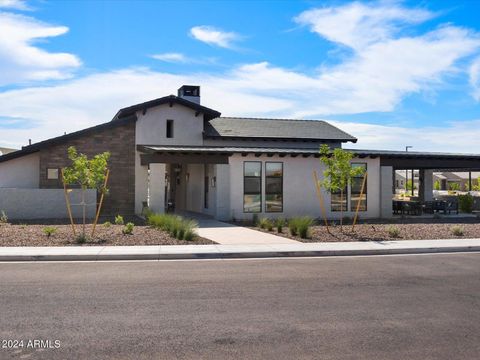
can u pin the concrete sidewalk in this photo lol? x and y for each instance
(165, 252)
(228, 234)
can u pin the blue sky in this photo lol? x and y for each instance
(392, 73)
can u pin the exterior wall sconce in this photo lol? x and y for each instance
(187, 177)
(214, 182)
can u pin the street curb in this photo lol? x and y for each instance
(235, 254)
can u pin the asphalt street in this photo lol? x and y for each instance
(383, 307)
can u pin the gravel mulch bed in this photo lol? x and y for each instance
(378, 231)
(33, 235)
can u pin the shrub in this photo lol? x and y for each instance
(128, 229)
(176, 226)
(119, 220)
(266, 223)
(255, 219)
(189, 229)
(81, 239)
(107, 224)
(3, 218)
(393, 231)
(49, 230)
(465, 203)
(300, 226)
(436, 185)
(457, 230)
(279, 223)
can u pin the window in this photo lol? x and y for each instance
(52, 174)
(252, 186)
(169, 128)
(273, 187)
(356, 189)
(336, 200)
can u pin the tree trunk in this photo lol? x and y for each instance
(84, 212)
(341, 210)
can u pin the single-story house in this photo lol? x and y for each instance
(175, 153)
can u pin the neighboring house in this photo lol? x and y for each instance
(4, 151)
(172, 152)
(446, 178)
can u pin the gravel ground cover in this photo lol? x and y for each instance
(417, 229)
(32, 234)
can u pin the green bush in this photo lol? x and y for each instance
(81, 239)
(393, 231)
(119, 220)
(300, 226)
(255, 219)
(436, 185)
(279, 224)
(457, 230)
(128, 229)
(3, 218)
(266, 223)
(465, 203)
(49, 230)
(176, 226)
(107, 224)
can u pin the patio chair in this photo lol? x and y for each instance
(440, 205)
(451, 206)
(427, 207)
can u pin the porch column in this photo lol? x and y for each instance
(386, 194)
(427, 188)
(222, 206)
(157, 188)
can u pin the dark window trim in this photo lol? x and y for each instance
(283, 169)
(254, 177)
(169, 129)
(366, 187)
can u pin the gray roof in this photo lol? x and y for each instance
(275, 129)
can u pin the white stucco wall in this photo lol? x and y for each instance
(151, 127)
(22, 173)
(386, 191)
(23, 204)
(298, 188)
(194, 187)
(157, 188)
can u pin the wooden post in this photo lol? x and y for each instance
(320, 198)
(359, 201)
(101, 202)
(69, 209)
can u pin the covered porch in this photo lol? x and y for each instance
(420, 199)
(182, 180)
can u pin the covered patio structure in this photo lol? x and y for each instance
(426, 163)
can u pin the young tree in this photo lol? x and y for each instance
(88, 174)
(338, 173)
(436, 185)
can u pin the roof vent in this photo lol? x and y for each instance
(190, 93)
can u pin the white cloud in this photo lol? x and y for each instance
(14, 5)
(171, 57)
(21, 60)
(358, 25)
(213, 36)
(475, 78)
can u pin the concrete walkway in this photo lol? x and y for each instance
(228, 234)
(171, 252)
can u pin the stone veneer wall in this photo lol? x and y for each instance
(120, 142)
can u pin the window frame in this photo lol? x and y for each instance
(260, 193)
(274, 177)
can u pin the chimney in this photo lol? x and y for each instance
(190, 93)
